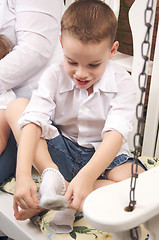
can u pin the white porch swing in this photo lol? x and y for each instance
(104, 208)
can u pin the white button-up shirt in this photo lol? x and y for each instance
(82, 118)
(33, 26)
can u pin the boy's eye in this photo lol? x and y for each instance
(72, 63)
(94, 65)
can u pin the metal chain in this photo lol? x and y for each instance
(142, 81)
(134, 233)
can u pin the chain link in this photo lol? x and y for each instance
(134, 233)
(137, 141)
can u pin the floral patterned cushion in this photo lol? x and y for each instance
(81, 230)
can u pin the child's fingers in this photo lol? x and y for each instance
(75, 203)
(26, 201)
(31, 203)
(22, 204)
(81, 207)
(16, 211)
(35, 196)
(69, 194)
(76, 200)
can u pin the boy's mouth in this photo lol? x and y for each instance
(81, 82)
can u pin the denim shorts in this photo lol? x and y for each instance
(71, 158)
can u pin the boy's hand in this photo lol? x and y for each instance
(25, 195)
(78, 190)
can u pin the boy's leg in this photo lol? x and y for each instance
(42, 158)
(8, 148)
(52, 180)
(13, 113)
(117, 174)
(8, 159)
(4, 131)
(5, 98)
(122, 172)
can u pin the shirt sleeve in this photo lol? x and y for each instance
(41, 108)
(37, 30)
(122, 108)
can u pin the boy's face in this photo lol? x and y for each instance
(85, 63)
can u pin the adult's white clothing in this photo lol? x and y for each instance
(33, 26)
(82, 118)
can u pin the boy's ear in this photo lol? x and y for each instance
(61, 41)
(113, 49)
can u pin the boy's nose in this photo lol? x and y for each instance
(81, 73)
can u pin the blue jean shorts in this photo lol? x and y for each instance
(71, 158)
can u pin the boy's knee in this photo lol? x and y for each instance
(120, 172)
(16, 106)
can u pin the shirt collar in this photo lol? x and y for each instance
(66, 82)
(107, 83)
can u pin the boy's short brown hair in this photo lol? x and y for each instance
(89, 20)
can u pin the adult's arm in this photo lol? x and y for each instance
(37, 29)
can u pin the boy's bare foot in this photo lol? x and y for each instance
(26, 214)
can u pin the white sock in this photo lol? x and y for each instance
(63, 221)
(52, 189)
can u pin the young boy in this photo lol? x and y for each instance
(85, 108)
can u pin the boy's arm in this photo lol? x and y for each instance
(84, 181)
(25, 194)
